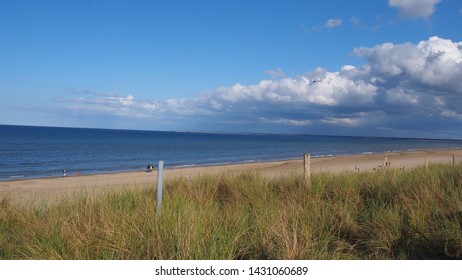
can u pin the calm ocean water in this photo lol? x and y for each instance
(36, 152)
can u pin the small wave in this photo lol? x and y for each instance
(185, 165)
(16, 176)
(326, 155)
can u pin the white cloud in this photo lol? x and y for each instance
(286, 121)
(417, 81)
(342, 121)
(359, 24)
(329, 24)
(151, 106)
(319, 87)
(449, 113)
(125, 101)
(176, 103)
(334, 22)
(398, 96)
(276, 73)
(435, 63)
(398, 86)
(414, 8)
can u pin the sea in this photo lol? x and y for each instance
(42, 152)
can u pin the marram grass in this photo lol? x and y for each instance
(387, 214)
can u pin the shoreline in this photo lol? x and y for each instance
(23, 189)
(167, 167)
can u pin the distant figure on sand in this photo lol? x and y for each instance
(64, 172)
(149, 168)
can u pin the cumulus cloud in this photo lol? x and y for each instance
(417, 82)
(414, 8)
(319, 87)
(399, 86)
(398, 81)
(334, 22)
(433, 64)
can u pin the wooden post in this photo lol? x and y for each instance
(160, 171)
(307, 166)
(453, 160)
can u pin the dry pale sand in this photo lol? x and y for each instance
(23, 190)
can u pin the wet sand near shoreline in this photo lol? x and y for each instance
(24, 190)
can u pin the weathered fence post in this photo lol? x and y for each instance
(307, 166)
(160, 171)
(453, 160)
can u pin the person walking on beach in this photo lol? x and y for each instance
(64, 172)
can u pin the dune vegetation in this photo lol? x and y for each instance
(385, 214)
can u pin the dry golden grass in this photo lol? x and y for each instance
(386, 214)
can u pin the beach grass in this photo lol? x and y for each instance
(384, 214)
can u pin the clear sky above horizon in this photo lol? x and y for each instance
(375, 68)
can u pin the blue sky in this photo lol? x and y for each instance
(378, 68)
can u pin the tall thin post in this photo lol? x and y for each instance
(307, 166)
(160, 171)
(453, 160)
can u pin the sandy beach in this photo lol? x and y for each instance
(56, 187)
